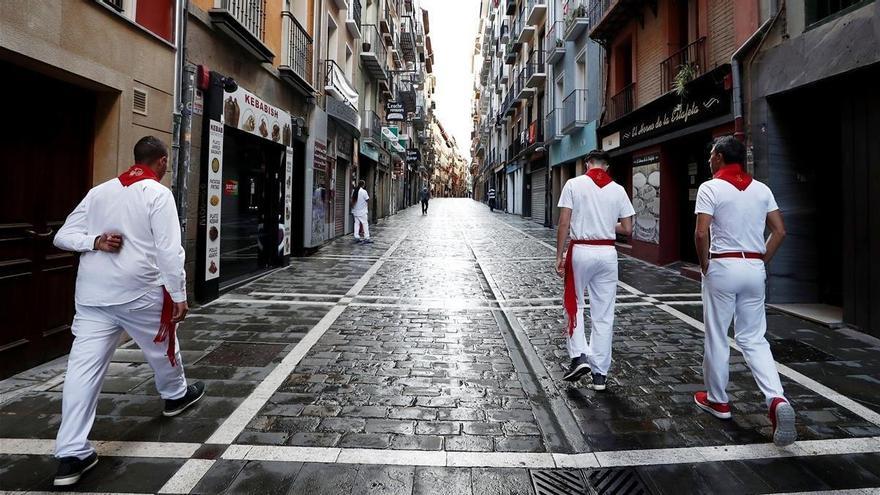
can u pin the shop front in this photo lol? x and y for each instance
(660, 154)
(515, 187)
(245, 189)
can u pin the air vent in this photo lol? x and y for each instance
(139, 101)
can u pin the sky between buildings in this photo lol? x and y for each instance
(453, 26)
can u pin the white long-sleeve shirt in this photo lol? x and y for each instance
(145, 215)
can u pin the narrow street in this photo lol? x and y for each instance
(430, 362)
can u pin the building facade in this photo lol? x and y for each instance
(77, 105)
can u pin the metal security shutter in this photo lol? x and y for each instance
(340, 198)
(539, 189)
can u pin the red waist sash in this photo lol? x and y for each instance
(569, 294)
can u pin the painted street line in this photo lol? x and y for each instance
(111, 448)
(285, 302)
(187, 477)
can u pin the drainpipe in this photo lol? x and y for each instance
(182, 118)
(735, 60)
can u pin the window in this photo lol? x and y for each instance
(349, 67)
(580, 71)
(819, 10)
(332, 39)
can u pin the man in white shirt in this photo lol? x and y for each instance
(130, 278)
(732, 212)
(592, 210)
(359, 212)
(491, 197)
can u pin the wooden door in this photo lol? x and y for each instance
(46, 164)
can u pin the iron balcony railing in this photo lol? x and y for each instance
(249, 13)
(373, 51)
(597, 11)
(535, 64)
(622, 103)
(373, 127)
(684, 65)
(574, 109)
(355, 11)
(116, 4)
(299, 48)
(554, 40)
(554, 124)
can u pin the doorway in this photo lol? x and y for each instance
(689, 158)
(47, 162)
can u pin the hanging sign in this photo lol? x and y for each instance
(394, 111)
(244, 110)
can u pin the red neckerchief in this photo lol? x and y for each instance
(599, 176)
(734, 174)
(167, 328)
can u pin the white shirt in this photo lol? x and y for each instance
(151, 255)
(360, 206)
(738, 217)
(595, 211)
(491, 193)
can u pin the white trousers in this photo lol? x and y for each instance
(358, 221)
(734, 289)
(97, 330)
(595, 269)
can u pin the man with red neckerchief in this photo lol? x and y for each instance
(592, 210)
(130, 278)
(732, 211)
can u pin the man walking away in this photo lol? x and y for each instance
(130, 279)
(593, 209)
(491, 199)
(732, 212)
(425, 196)
(359, 212)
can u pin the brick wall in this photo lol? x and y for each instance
(721, 36)
(651, 49)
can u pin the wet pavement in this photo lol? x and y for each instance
(430, 362)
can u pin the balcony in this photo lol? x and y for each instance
(577, 20)
(341, 4)
(505, 32)
(296, 66)
(408, 38)
(524, 92)
(574, 111)
(511, 52)
(535, 10)
(554, 43)
(536, 70)
(373, 55)
(622, 103)
(353, 19)
(553, 125)
(341, 97)
(372, 131)
(523, 31)
(245, 22)
(683, 66)
(535, 133)
(511, 7)
(608, 17)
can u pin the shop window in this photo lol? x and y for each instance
(818, 11)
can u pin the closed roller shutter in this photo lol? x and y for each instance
(339, 207)
(539, 190)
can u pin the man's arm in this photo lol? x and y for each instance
(170, 255)
(777, 234)
(561, 236)
(701, 239)
(625, 227)
(74, 235)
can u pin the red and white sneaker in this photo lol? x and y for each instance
(719, 410)
(782, 417)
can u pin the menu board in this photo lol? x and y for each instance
(215, 188)
(246, 111)
(288, 193)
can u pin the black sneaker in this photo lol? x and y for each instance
(599, 381)
(579, 367)
(368, 241)
(71, 469)
(194, 392)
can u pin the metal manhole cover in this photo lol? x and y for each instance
(619, 481)
(558, 482)
(795, 351)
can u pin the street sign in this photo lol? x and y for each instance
(394, 111)
(413, 155)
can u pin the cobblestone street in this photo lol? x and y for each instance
(430, 362)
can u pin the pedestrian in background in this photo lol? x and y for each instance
(732, 212)
(491, 197)
(592, 210)
(130, 279)
(425, 196)
(359, 211)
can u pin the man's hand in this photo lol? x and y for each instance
(179, 313)
(560, 266)
(704, 268)
(109, 243)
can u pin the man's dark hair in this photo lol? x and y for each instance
(730, 149)
(362, 183)
(598, 155)
(149, 149)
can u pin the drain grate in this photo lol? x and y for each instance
(621, 481)
(558, 482)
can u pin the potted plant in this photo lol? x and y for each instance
(365, 46)
(687, 72)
